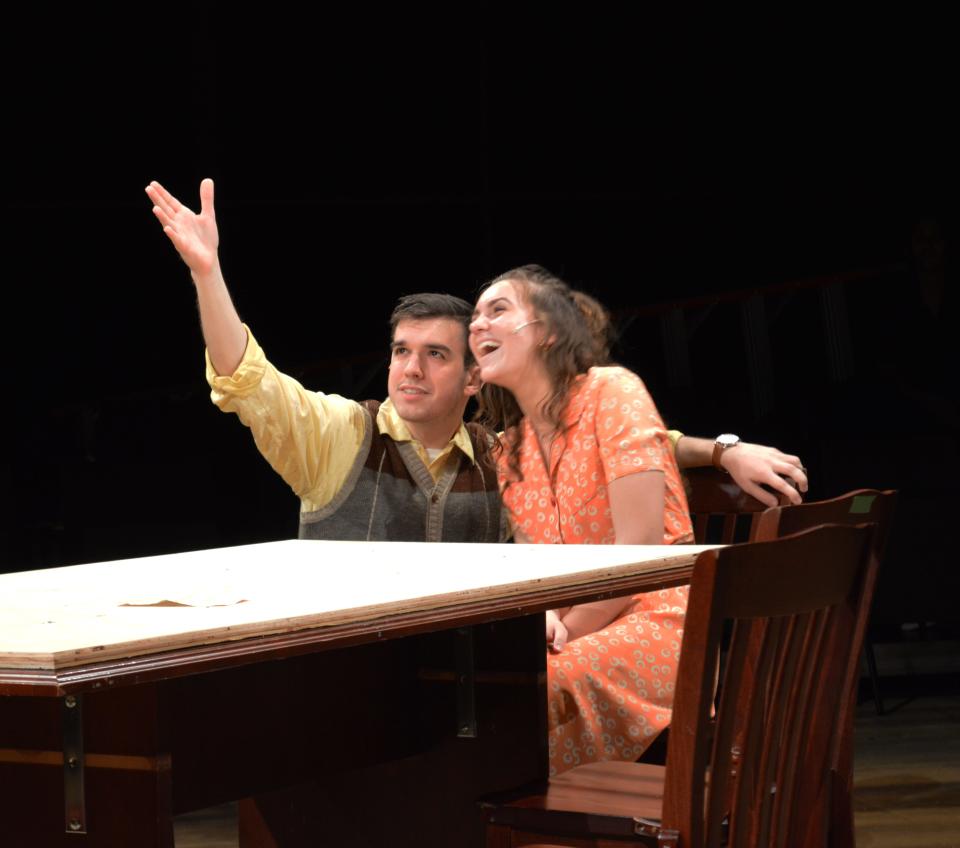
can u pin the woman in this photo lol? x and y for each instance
(584, 459)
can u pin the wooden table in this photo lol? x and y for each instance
(396, 681)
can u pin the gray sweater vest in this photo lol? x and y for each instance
(389, 495)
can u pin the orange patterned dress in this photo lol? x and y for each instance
(609, 693)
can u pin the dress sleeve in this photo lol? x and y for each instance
(630, 433)
(309, 438)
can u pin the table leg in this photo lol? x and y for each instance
(126, 777)
(428, 798)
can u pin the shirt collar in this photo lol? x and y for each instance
(390, 423)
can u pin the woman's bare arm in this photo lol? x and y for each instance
(636, 504)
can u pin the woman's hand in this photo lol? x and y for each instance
(556, 632)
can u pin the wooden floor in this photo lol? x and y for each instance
(212, 828)
(907, 780)
(907, 774)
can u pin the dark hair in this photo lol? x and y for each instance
(417, 307)
(577, 337)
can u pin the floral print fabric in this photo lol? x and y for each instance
(609, 693)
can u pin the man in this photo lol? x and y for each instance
(408, 469)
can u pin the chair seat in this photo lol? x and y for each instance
(608, 799)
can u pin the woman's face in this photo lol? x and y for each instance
(505, 337)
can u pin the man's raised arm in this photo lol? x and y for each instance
(196, 240)
(751, 467)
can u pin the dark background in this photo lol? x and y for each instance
(651, 162)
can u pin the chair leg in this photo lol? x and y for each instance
(868, 655)
(841, 814)
(498, 836)
(841, 779)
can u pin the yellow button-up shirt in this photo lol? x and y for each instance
(311, 439)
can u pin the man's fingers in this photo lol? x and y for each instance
(795, 472)
(163, 198)
(206, 197)
(168, 198)
(777, 482)
(176, 238)
(760, 494)
(792, 466)
(162, 201)
(162, 217)
(157, 200)
(789, 459)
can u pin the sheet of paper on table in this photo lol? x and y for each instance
(62, 617)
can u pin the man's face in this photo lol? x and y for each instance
(429, 383)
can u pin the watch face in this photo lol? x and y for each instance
(727, 440)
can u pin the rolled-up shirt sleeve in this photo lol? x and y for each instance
(310, 439)
(630, 432)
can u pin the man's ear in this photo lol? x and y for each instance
(474, 382)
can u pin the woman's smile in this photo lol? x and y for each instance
(502, 338)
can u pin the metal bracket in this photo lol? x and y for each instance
(466, 680)
(650, 827)
(75, 811)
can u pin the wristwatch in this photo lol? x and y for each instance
(723, 442)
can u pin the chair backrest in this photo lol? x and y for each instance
(722, 512)
(713, 495)
(794, 604)
(858, 507)
(852, 509)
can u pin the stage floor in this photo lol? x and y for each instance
(907, 780)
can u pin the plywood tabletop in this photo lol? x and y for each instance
(65, 617)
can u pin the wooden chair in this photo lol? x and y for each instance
(862, 505)
(722, 512)
(794, 604)
(857, 507)
(715, 499)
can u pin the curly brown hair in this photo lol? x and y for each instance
(578, 335)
